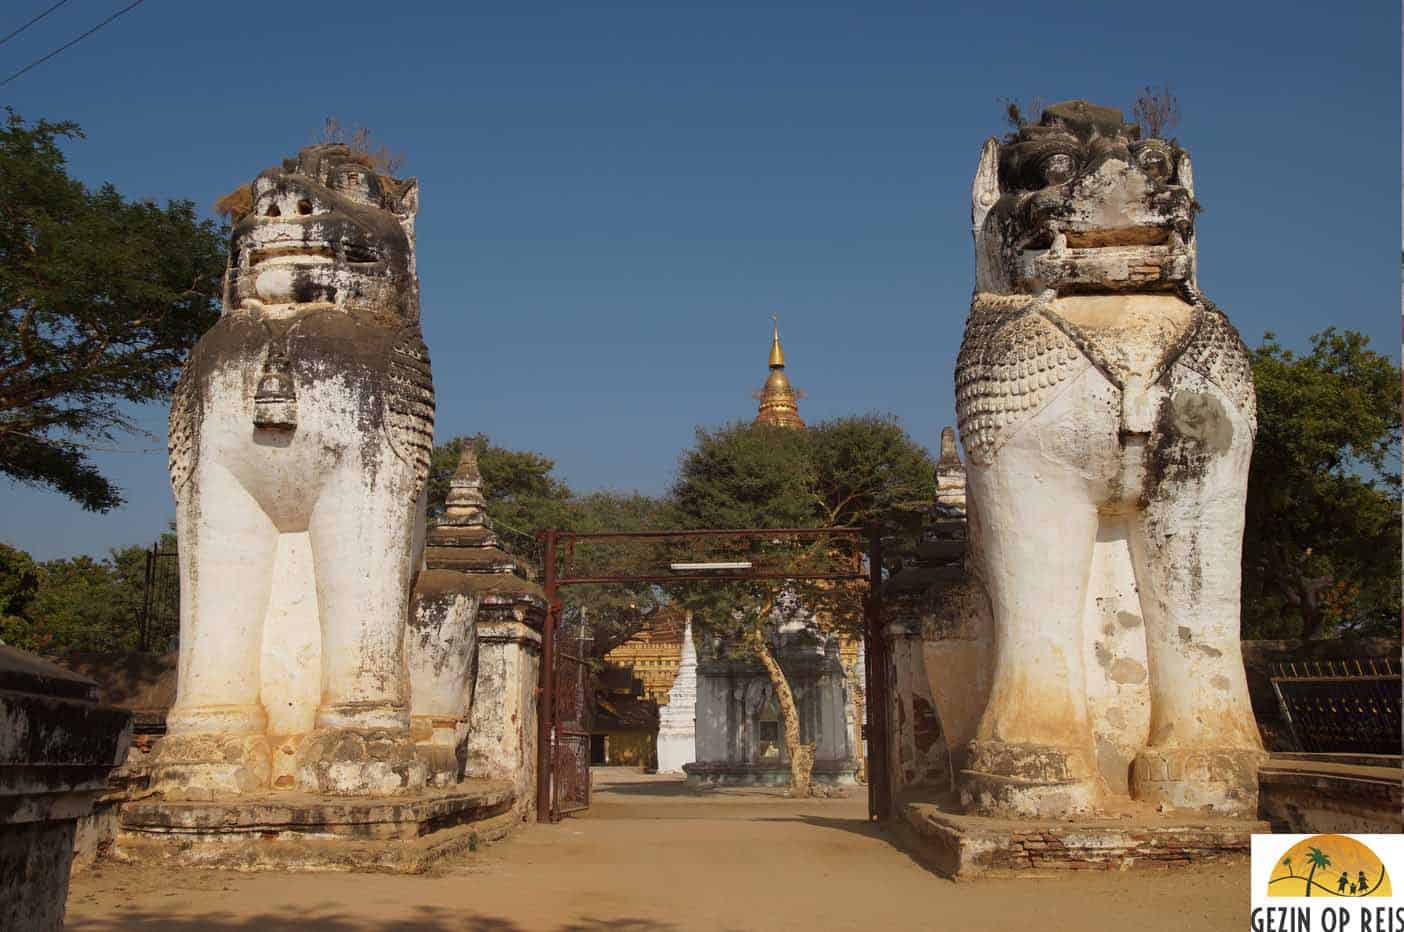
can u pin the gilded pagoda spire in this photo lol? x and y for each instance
(779, 402)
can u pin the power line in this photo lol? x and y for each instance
(32, 21)
(71, 43)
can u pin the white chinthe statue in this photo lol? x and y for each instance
(1101, 397)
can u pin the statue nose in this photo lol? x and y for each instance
(1113, 166)
(290, 201)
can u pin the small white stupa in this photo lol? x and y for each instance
(677, 721)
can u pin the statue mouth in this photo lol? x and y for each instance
(312, 255)
(1108, 260)
(1062, 241)
(301, 255)
(302, 274)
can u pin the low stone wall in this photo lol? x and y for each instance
(96, 831)
(144, 685)
(1342, 793)
(57, 746)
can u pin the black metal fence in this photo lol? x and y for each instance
(158, 624)
(1341, 706)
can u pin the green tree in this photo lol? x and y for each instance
(615, 613)
(525, 497)
(19, 582)
(1316, 858)
(844, 473)
(80, 603)
(83, 604)
(1321, 550)
(101, 298)
(523, 494)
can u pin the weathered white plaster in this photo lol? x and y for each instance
(677, 721)
(291, 666)
(57, 748)
(1114, 644)
(300, 434)
(917, 749)
(502, 731)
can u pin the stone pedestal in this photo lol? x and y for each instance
(677, 721)
(964, 846)
(301, 832)
(57, 746)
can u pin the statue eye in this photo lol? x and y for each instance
(1154, 162)
(1058, 168)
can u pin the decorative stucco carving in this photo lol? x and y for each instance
(1106, 408)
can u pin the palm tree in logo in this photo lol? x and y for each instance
(1316, 858)
(1287, 863)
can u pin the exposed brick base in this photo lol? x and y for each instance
(964, 846)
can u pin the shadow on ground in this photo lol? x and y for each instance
(677, 789)
(856, 826)
(867, 829)
(660, 788)
(425, 919)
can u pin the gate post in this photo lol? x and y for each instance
(545, 694)
(149, 580)
(876, 701)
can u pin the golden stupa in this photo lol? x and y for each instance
(779, 403)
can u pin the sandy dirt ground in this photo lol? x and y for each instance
(652, 856)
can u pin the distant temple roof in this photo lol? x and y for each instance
(779, 402)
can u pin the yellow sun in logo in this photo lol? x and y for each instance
(1328, 865)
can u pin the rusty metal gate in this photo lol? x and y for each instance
(565, 698)
(570, 718)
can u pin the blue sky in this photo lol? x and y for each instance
(616, 198)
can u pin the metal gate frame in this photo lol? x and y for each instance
(557, 735)
(160, 582)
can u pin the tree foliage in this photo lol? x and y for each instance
(76, 603)
(100, 300)
(850, 472)
(525, 497)
(1321, 552)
